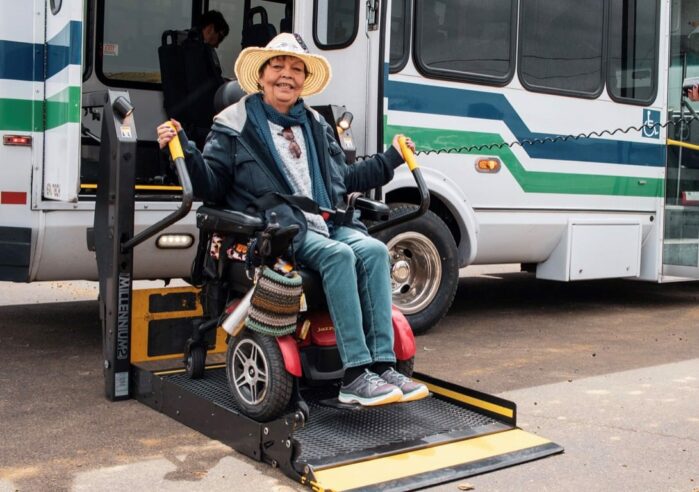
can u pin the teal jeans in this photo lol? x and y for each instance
(355, 269)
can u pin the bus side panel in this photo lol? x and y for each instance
(63, 77)
(21, 114)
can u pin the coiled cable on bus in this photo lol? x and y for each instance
(480, 148)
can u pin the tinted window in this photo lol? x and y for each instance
(56, 6)
(335, 23)
(131, 35)
(465, 38)
(278, 16)
(400, 34)
(633, 54)
(561, 46)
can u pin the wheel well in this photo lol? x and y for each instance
(437, 206)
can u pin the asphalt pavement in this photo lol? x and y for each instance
(607, 369)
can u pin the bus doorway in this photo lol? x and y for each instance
(681, 227)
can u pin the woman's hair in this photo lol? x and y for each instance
(264, 65)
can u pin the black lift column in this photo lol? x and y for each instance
(114, 226)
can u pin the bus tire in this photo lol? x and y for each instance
(424, 267)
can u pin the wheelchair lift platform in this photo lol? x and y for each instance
(454, 433)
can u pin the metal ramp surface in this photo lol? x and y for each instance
(454, 433)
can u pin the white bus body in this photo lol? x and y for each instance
(506, 82)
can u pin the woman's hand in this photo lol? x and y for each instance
(408, 142)
(166, 133)
(693, 93)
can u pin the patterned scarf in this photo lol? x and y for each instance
(260, 112)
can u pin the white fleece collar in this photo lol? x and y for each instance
(235, 115)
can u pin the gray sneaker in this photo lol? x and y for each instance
(368, 390)
(411, 390)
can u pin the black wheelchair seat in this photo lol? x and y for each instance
(228, 221)
(243, 226)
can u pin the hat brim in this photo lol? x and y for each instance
(247, 69)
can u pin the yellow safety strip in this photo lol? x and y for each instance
(476, 402)
(686, 145)
(180, 371)
(91, 186)
(379, 470)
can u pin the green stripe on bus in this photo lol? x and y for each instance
(427, 139)
(21, 115)
(63, 108)
(25, 115)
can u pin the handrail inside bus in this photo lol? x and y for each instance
(93, 186)
(686, 145)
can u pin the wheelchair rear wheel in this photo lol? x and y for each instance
(257, 377)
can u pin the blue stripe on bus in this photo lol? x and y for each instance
(419, 98)
(21, 61)
(64, 48)
(25, 61)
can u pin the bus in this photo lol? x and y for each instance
(552, 133)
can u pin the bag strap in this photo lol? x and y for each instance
(272, 199)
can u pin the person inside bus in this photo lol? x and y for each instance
(204, 75)
(271, 141)
(213, 29)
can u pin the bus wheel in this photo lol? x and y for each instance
(424, 267)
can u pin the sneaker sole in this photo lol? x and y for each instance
(417, 394)
(391, 397)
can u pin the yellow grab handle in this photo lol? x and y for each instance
(174, 145)
(686, 145)
(407, 154)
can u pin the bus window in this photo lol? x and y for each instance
(131, 33)
(466, 39)
(88, 31)
(335, 23)
(633, 51)
(400, 34)
(278, 14)
(561, 46)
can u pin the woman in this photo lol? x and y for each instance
(271, 142)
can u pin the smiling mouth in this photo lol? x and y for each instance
(284, 85)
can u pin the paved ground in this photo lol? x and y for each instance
(610, 370)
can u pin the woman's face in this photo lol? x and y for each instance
(282, 81)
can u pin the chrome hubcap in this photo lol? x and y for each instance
(416, 271)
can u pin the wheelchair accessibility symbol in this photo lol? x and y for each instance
(651, 124)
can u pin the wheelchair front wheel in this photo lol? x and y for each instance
(257, 377)
(195, 362)
(405, 367)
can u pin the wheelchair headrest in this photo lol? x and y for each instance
(229, 93)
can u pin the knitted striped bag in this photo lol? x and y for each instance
(275, 303)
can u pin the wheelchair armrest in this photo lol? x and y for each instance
(372, 209)
(228, 221)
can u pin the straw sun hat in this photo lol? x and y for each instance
(247, 66)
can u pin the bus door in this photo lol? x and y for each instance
(681, 226)
(62, 99)
(347, 33)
